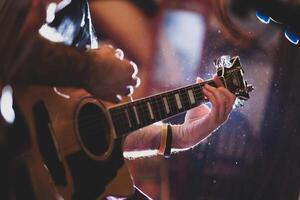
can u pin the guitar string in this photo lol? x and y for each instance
(196, 93)
(185, 100)
(125, 127)
(140, 103)
(178, 91)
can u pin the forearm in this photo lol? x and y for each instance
(147, 138)
(47, 63)
(145, 142)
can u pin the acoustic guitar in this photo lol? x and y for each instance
(71, 146)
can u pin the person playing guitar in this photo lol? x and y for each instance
(73, 59)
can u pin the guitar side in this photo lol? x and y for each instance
(56, 157)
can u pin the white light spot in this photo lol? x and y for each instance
(138, 82)
(139, 154)
(119, 54)
(50, 34)
(61, 94)
(6, 105)
(119, 97)
(51, 12)
(135, 67)
(131, 90)
(179, 105)
(63, 4)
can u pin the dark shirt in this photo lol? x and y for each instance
(73, 23)
(12, 16)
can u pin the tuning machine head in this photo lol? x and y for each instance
(231, 73)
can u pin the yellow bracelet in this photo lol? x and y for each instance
(163, 141)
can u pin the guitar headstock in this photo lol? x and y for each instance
(231, 73)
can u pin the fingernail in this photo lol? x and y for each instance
(119, 54)
(119, 97)
(110, 46)
(135, 67)
(138, 82)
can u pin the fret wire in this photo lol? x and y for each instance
(154, 104)
(172, 103)
(164, 109)
(143, 114)
(155, 99)
(125, 126)
(132, 114)
(140, 112)
(116, 121)
(187, 98)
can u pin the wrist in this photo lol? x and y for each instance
(178, 137)
(166, 141)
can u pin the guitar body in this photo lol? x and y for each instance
(69, 150)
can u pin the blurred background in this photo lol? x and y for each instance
(255, 155)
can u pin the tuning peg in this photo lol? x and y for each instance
(223, 61)
(238, 103)
(249, 87)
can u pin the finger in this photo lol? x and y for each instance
(230, 99)
(218, 81)
(228, 102)
(107, 48)
(135, 69)
(130, 90)
(199, 80)
(220, 100)
(215, 105)
(197, 112)
(119, 54)
(138, 82)
(135, 82)
(229, 94)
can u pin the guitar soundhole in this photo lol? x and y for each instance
(93, 129)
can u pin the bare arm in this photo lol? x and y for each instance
(199, 123)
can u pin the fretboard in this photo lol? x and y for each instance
(131, 116)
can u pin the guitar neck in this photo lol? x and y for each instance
(134, 115)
